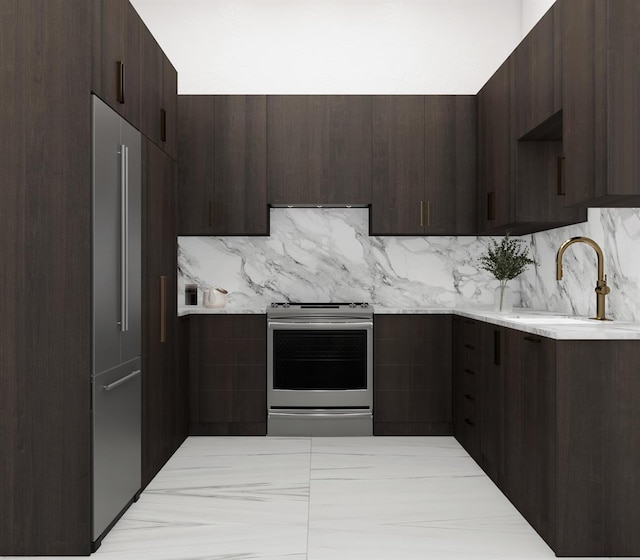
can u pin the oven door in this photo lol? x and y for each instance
(320, 362)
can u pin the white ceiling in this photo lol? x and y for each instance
(337, 46)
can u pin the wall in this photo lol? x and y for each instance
(327, 255)
(333, 46)
(532, 11)
(617, 231)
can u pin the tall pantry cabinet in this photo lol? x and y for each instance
(55, 53)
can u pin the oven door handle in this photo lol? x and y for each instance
(336, 324)
(303, 414)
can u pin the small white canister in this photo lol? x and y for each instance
(215, 297)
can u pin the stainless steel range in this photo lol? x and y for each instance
(320, 369)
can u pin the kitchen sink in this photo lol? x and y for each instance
(552, 320)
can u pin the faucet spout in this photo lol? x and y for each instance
(601, 285)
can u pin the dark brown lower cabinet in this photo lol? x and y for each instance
(465, 376)
(412, 375)
(227, 374)
(491, 397)
(530, 443)
(477, 392)
(164, 396)
(558, 431)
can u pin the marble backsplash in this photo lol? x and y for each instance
(617, 231)
(326, 254)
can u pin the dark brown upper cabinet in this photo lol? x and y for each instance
(540, 201)
(494, 150)
(117, 57)
(151, 86)
(398, 165)
(424, 165)
(159, 95)
(319, 149)
(169, 109)
(601, 98)
(450, 195)
(520, 138)
(222, 165)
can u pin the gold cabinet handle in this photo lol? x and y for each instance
(428, 213)
(163, 308)
(421, 213)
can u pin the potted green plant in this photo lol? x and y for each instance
(505, 261)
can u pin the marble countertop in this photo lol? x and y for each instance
(542, 323)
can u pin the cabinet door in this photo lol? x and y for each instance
(494, 150)
(169, 108)
(412, 375)
(319, 149)
(537, 67)
(466, 389)
(601, 101)
(151, 86)
(530, 429)
(398, 165)
(228, 375)
(195, 168)
(117, 59)
(164, 396)
(492, 400)
(450, 200)
(239, 186)
(537, 129)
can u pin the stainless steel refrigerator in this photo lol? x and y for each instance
(117, 271)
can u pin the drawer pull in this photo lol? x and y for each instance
(469, 397)
(470, 372)
(470, 422)
(470, 346)
(533, 339)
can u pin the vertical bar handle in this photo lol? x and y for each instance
(491, 206)
(421, 213)
(496, 347)
(163, 125)
(121, 81)
(428, 213)
(124, 238)
(163, 308)
(561, 191)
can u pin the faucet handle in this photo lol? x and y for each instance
(602, 288)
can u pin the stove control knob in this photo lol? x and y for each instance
(285, 304)
(364, 305)
(274, 304)
(352, 305)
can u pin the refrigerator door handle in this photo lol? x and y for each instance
(120, 381)
(124, 238)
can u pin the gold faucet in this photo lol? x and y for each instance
(601, 286)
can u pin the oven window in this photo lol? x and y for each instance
(322, 359)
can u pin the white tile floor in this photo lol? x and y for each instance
(401, 498)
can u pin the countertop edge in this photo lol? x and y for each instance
(589, 331)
